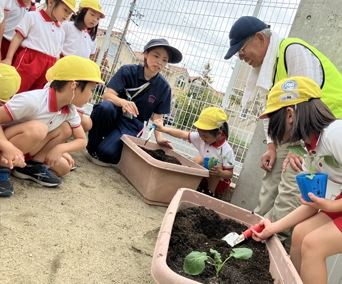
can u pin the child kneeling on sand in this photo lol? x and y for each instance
(211, 142)
(37, 123)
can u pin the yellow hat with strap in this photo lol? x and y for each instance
(92, 4)
(211, 118)
(74, 68)
(71, 4)
(9, 81)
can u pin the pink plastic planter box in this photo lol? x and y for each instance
(281, 267)
(157, 181)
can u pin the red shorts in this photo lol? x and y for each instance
(336, 216)
(32, 66)
(4, 49)
(221, 187)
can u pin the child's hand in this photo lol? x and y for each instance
(7, 61)
(11, 156)
(320, 203)
(215, 171)
(53, 157)
(159, 124)
(69, 159)
(265, 233)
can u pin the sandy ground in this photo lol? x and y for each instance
(94, 228)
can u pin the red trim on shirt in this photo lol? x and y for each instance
(7, 110)
(21, 4)
(313, 145)
(47, 18)
(52, 103)
(19, 32)
(218, 144)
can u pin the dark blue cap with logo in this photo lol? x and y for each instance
(242, 29)
(175, 55)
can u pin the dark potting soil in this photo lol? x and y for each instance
(159, 154)
(200, 229)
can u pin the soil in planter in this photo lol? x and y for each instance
(159, 154)
(200, 229)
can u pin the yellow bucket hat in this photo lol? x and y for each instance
(74, 68)
(211, 118)
(92, 4)
(71, 4)
(9, 81)
(291, 91)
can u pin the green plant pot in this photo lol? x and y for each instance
(317, 185)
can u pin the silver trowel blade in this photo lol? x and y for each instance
(231, 238)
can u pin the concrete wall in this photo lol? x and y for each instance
(317, 23)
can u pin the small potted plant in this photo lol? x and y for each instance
(312, 182)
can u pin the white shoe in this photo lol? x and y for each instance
(94, 158)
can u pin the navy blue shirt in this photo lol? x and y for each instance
(156, 98)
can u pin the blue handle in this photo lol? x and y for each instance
(153, 126)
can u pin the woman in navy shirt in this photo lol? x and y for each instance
(133, 95)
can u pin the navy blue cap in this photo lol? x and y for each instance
(175, 55)
(242, 29)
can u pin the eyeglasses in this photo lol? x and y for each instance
(240, 52)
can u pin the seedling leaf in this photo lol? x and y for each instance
(194, 262)
(297, 149)
(242, 253)
(330, 161)
(217, 255)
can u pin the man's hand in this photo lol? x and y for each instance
(295, 162)
(268, 159)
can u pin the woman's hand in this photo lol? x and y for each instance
(295, 161)
(130, 107)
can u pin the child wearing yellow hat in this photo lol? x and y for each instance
(42, 37)
(214, 152)
(80, 39)
(9, 82)
(37, 123)
(295, 113)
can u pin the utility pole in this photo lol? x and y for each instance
(123, 39)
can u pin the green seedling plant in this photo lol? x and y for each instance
(194, 262)
(312, 160)
(214, 161)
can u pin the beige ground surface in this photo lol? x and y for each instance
(94, 228)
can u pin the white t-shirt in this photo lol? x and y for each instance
(17, 12)
(40, 105)
(5, 6)
(77, 42)
(330, 143)
(40, 33)
(222, 151)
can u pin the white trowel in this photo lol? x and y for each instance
(234, 238)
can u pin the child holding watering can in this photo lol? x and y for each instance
(214, 152)
(295, 113)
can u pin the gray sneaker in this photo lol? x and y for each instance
(94, 158)
(37, 172)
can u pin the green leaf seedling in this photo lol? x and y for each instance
(194, 262)
(311, 160)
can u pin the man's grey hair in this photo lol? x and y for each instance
(266, 32)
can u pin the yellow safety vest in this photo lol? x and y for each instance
(332, 78)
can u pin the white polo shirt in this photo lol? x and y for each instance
(330, 143)
(77, 42)
(40, 105)
(221, 150)
(40, 33)
(5, 6)
(17, 12)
